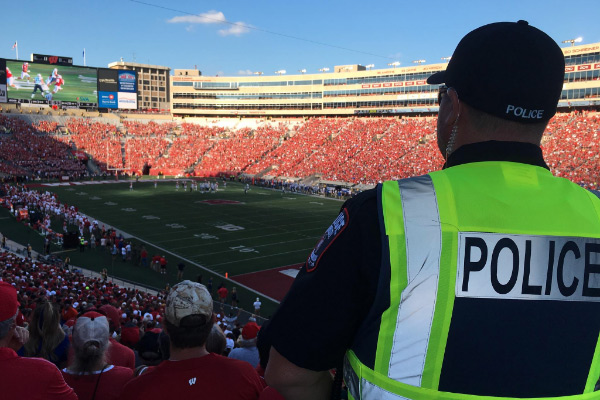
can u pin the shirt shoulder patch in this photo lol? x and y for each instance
(334, 230)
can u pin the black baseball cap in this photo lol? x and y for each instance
(508, 69)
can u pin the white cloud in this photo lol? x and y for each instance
(211, 17)
(236, 30)
(245, 72)
(396, 56)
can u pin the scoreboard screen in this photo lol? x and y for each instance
(37, 83)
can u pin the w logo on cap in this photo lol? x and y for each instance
(192, 381)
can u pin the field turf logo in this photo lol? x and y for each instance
(215, 202)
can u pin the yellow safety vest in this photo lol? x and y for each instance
(496, 233)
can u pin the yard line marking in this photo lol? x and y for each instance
(271, 269)
(223, 234)
(314, 238)
(258, 258)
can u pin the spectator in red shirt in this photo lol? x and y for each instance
(191, 371)
(68, 312)
(21, 377)
(144, 257)
(90, 375)
(117, 354)
(222, 292)
(130, 333)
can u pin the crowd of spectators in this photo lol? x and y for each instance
(185, 151)
(242, 149)
(99, 140)
(571, 147)
(298, 145)
(89, 325)
(353, 150)
(26, 150)
(141, 151)
(46, 126)
(150, 128)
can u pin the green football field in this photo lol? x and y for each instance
(225, 232)
(80, 82)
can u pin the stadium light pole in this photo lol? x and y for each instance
(394, 64)
(325, 69)
(447, 59)
(419, 62)
(573, 41)
(370, 66)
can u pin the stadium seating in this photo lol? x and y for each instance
(352, 150)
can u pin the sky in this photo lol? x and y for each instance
(240, 38)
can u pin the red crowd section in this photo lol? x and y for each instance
(572, 148)
(353, 150)
(26, 150)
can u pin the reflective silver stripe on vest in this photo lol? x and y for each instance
(363, 389)
(371, 391)
(417, 305)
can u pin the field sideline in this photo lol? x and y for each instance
(225, 232)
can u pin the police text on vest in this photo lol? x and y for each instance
(494, 265)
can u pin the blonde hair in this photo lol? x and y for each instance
(45, 333)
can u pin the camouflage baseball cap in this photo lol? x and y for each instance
(188, 298)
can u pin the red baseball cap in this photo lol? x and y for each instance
(8, 301)
(113, 316)
(250, 330)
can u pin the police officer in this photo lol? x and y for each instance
(480, 279)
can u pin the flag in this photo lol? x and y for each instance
(15, 45)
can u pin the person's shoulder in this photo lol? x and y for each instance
(37, 364)
(231, 363)
(45, 371)
(123, 372)
(121, 347)
(363, 199)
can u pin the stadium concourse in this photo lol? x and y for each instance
(352, 152)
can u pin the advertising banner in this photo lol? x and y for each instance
(127, 81)
(117, 89)
(107, 99)
(127, 100)
(107, 80)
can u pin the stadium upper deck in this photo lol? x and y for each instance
(352, 91)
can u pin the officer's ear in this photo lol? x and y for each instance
(448, 116)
